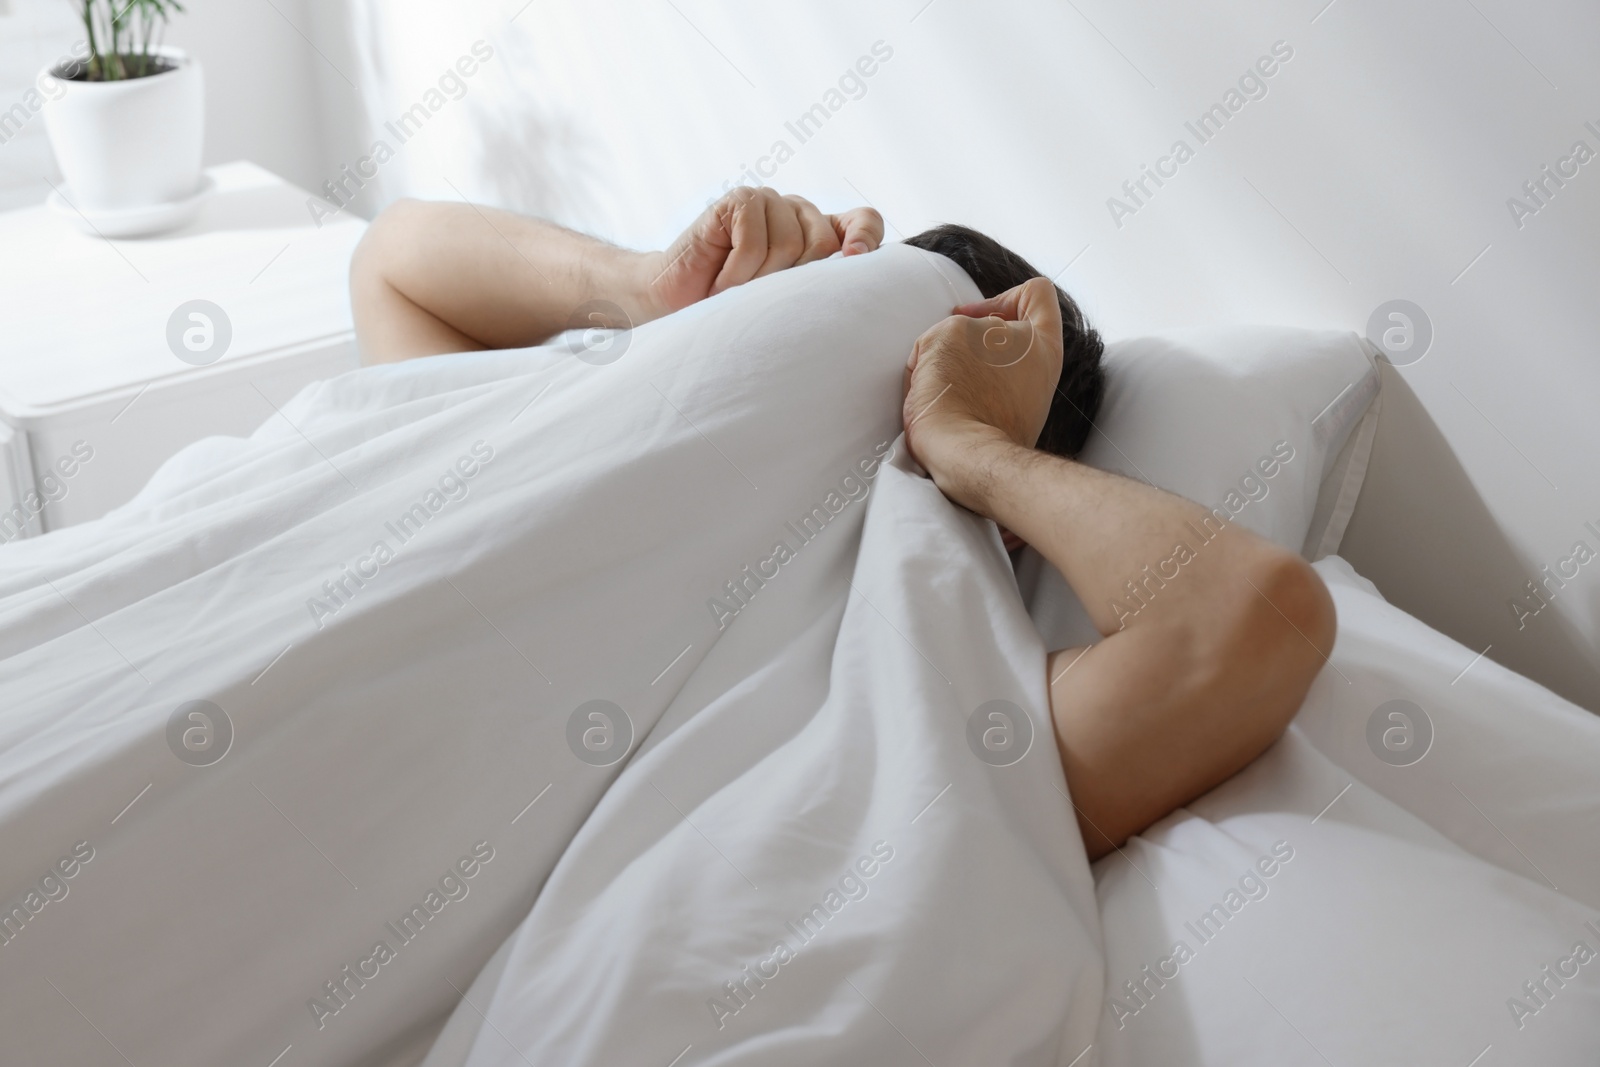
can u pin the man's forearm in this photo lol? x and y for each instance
(441, 277)
(1122, 545)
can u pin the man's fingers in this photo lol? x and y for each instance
(1040, 305)
(859, 229)
(745, 217)
(982, 309)
(1019, 316)
(1034, 300)
(820, 240)
(785, 238)
(765, 233)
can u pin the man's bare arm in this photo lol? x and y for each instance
(447, 277)
(1178, 697)
(430, 278)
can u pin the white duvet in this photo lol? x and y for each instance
(669, 689)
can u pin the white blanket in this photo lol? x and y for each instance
(404, 595)
(815, 866)
(694, 795)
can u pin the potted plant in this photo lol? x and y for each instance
(126, 122)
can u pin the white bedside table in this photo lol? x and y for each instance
(86, 368)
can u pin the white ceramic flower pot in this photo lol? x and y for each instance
(129, 144)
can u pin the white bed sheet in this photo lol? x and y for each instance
(422, 727)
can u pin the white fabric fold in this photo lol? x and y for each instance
(395, 601)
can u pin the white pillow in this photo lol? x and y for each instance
(1268, 426)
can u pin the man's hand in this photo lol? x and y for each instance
(751, 233)
(986, 373)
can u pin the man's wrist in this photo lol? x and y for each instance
(620, 277)
(639, 272)
(967, 461)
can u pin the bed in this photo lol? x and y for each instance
(469, 712)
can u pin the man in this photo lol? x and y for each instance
(999, 397)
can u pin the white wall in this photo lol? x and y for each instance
(33, 34)
(261, 92)
(1378, 166)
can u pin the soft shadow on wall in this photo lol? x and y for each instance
(1422, 533)
(492, 136)
(530, 158)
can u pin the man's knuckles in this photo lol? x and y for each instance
(821, 246)
(998, 343)
(739, 197)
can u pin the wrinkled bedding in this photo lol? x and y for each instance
(323, 703)
(643, 704)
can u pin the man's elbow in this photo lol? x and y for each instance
(1295, 606)
(378, 260)
(386, 238)
(1264, 657)
(1287, 635)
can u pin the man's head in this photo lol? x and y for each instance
(994, 269)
